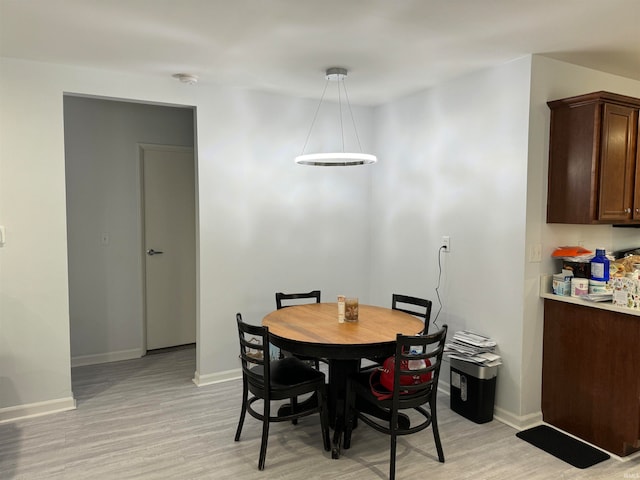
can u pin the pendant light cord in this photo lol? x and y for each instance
(355, 129)
(336, 158)
(315, 116)
(340, 112)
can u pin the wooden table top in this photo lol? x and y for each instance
(317, 323)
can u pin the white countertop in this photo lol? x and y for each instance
(546, 291)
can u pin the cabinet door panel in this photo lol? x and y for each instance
(617, 163)
(590, 381)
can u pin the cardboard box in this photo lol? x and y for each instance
(626, 292)
(579, 269)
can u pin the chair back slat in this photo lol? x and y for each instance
(427, 361)
(418, 307)
(296, 298)
(254, 352)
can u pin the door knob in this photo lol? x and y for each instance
(151, 251)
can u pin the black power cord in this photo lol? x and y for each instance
(440, 250)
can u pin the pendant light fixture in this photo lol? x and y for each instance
(335, 159)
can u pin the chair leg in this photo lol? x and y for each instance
(243, 412)
(294, 408)
(394, 441)
(436, 433)
(265, 434)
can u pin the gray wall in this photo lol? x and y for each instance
(455, 164)
(103, 198)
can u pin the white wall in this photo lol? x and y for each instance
(455, 163)
(103, 197)
(34, 321)
(34, 314)
(552, 80)
(468, 159)
(465, 159)
(266, 224)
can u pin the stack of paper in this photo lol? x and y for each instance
(598, 297)
(473, 347)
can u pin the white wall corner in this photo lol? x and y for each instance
(519, 422)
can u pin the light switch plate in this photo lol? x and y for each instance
(535, 253)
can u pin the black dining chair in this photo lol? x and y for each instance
(289, 299)
(284, 300)
(272, 380)
(418, 307)
(417, 391)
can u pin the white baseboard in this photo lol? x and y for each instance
(211, 378)
(519, 422)
(83, 360)
(10, 414)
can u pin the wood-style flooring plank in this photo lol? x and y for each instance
(145, 419)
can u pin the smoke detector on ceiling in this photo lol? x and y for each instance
(186, 78)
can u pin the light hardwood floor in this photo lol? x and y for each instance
(145, 419)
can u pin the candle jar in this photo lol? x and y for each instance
(351, 309)
(341, 307)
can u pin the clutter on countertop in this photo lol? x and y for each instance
(600, 266)
(570, 251)
(599, 278)
(628, 264)
(576, 259)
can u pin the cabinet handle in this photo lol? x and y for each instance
(627, 210)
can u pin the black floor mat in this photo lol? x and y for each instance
(562, 446)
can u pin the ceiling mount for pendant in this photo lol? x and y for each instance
(336, 74)
(335, 159)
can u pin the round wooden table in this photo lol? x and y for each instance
(313, 330)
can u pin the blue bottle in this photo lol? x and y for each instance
(600, 266)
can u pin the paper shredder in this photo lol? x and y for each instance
(473, 390)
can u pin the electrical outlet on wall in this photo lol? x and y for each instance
(446, 243)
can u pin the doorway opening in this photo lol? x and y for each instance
(105, 221)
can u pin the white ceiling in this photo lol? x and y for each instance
(391, 47)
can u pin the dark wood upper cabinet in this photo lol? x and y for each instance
(594, 162)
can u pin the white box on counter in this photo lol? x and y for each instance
(626, 292)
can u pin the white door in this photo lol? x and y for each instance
(168, 185)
